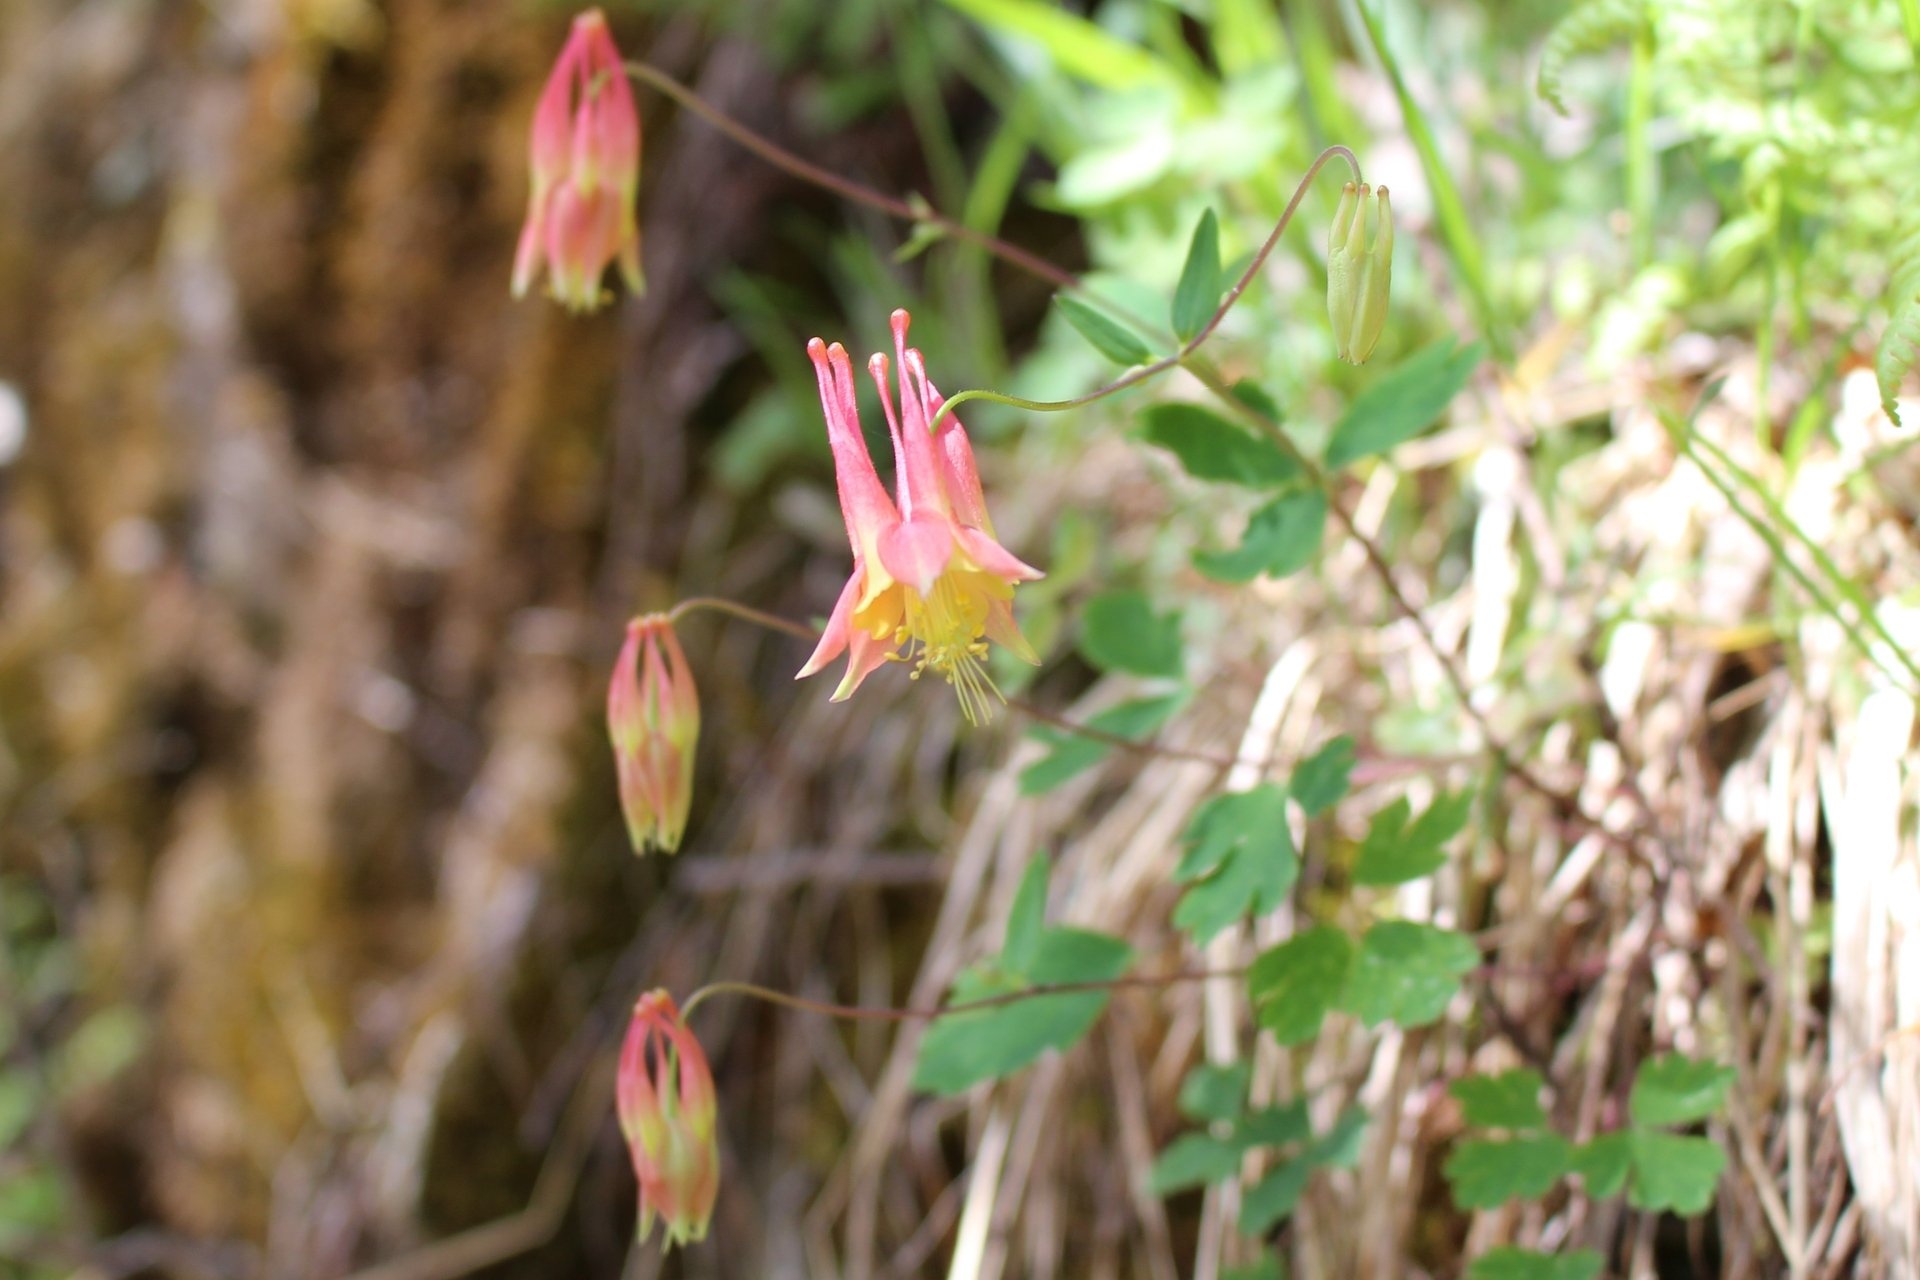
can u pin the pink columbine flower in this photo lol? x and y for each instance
(930, 571)
(653, 718)
(586, 174)
(664, 1093)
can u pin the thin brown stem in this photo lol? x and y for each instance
(806, 171)
(755, 991)
(746, 613)
(1496, 747)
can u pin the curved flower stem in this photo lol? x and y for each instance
(870, 1013)
(781, 158)
(1193, 344)
(718, 604)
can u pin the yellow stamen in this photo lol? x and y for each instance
(946, 628)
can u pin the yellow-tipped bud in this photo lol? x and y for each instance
(1359, 271)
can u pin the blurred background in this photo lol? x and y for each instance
(318, 925)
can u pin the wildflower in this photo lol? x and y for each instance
(928, 573)
(653, 718)
(586, 174)
(664, 1093)
(1359, 274)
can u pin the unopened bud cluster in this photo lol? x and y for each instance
(668, 1111)
(653, 718)
(1359, 271)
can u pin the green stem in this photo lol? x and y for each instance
(1640, 173)
(754, 991)
(781, 158)
(1193, 344)
(745, 613)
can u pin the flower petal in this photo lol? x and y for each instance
(994, 558)
(864, 503)
(1002, 629)
(834, 639)
(917, 552)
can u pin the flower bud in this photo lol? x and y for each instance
(585, 164)
(1359, 272)
(664, 1093)
(653, 719)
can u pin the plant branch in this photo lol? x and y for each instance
(806, 171)
(1164, 363)
(754, 991)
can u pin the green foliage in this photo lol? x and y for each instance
(1198, 292)
(1215, 1091)
(1397, 850)
(1121, 631)
(1071, 754)
(1217, 1094)
(1407, 973)
(1674, 1172)
(1510, 1100)
(964, 1049)
(1281, 538)
(1212, 448)
(1078, 47)
(1239, 860)
(1486, 1173)
(1900, 343)
(1110, 338)
(1593, 26)
(1658, 1170)
(1321, 779)
(1674, 1089)
(1506, 1262)
(1296, 984)
(1403, 403)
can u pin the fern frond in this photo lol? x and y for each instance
(1588, 29)
(1900, 344)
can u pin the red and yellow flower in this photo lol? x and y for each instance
(929, 573)
(668, 1109)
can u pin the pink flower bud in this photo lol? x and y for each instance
(665, 1096)
(585, 164)
(653, 718)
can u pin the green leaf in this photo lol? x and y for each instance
(1510, 1100)
(1256, 397)
(1604, 1163)
(1404, 402)
(1111, 339)
(1294, 984)
(1406, 973)
(20, 1102)
(1674, 1089)
(1273, 1197)
(1488, 1173)
(1215, 1091)
(1240, 852)
(1198, 292)
(1320, 781)
(1506, 1262)
(1119, 631)
(1281, 538)
(1201, 1157)
(1072, 754)
(1078, 47)
(963, 1049)
(1396, 850)
(1026, 920)
(1212, 448)
(1340, 1145)
(1266, 1268)
(1193, 1160)
(1674, 1172)
(1274, 1126)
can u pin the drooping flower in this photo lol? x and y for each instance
(653, 718)
(928, 573)
(667, 1104)
(585, 174)
(1359, 272)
